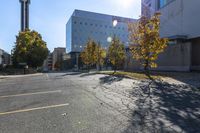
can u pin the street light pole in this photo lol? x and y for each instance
(77, 61)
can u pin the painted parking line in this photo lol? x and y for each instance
(28, 94)
(33, 109)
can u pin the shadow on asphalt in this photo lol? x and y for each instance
(110, 79)
(190, 78)
(176, 105)
(87, 74)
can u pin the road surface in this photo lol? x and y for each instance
(88, 103)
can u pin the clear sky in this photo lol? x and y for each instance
(49, 17)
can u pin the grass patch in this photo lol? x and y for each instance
(133, 75)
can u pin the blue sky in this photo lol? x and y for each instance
(49, 17)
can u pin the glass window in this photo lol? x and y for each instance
(162, 3)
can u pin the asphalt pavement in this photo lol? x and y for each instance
(74, 102)
(54, 103)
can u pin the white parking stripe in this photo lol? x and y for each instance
(28, 94)
(33, 109)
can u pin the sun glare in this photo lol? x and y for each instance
(125, 3)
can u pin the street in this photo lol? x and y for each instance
(88, 103)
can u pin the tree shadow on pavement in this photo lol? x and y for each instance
(169, 108)
(190, 78)
(109, 79)
(88, 74)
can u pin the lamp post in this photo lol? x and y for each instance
(110, 38)
(77, 58)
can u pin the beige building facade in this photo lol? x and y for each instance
(180, 21)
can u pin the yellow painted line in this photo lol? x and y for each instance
(33, 109)
(28, 94)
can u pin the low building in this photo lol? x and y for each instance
(1, 56)
(48, 63)
(4, 58)
(57, 58)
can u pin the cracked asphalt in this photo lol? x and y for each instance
(88, 103)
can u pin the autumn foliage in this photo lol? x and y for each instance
(30, 49)
(146, 43)
(116, 53)
(93, 54)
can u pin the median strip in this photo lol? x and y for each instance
(28, 94)
(34, 109)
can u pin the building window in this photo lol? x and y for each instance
(74, 22)
(149, 5)
(85, 23)
(162, 3)
(81, 23)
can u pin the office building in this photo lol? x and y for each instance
(83, 25)
(148, 7)
(24, 14)
(180, 21)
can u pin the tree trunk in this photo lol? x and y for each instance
(115, 69)
(146, 68)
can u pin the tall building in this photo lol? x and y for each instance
(180, 21)
(24, 14)
(148, 7)
(84, 25)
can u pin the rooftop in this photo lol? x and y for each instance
(100, 16)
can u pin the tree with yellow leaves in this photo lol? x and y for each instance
(88, 54)
(146, 43)
(93, 54)
(116, 53)
(30, 48)
(100, 56)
